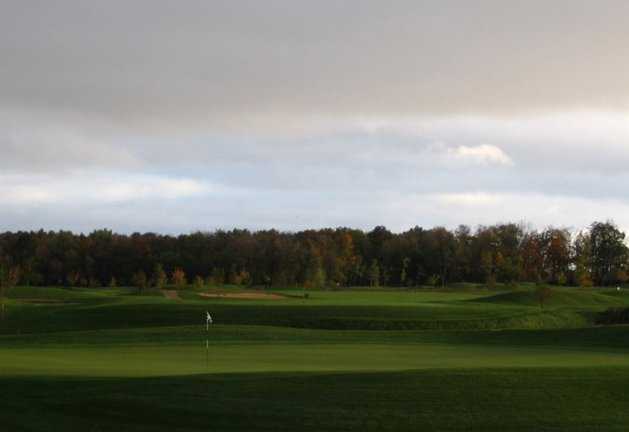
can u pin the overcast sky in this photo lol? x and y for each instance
(174, 116)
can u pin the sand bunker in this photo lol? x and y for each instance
(171, 294)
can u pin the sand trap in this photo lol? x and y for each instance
(244, 295)
(171, 294)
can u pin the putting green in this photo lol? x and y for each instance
(152, 360)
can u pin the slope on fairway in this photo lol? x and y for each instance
(560, 297)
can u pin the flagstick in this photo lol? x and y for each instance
(207, 337)
(207, 344)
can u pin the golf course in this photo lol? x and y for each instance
(460, 358)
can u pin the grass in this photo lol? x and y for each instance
(462, 359)
(584, 399)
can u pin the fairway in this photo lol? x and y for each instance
(349, 360)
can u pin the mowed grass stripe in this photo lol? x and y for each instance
(164, 360)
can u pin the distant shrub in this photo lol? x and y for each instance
(198, 282)
(613, 316)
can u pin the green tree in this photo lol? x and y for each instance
(159, 277)
(608, 252)
(488, 267)
(582, 260)
(218, 276)
(374, 274)
(9, 277)
(198, 282)
(404, 272)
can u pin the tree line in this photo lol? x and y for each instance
(503, 253)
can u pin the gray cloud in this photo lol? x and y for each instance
(215, 62)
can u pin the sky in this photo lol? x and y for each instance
(172, 117)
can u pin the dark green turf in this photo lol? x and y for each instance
(590, 399)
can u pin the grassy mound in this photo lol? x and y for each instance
(560, 297)
(58, 309)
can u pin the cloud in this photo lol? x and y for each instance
(350, 170)
(54, 140)
(292, 114)
(482, 154)
(96, 188)
(467, 199)
(149, 66)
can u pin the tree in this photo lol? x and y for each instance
(324, 257)
(404, 272)
(374, 274)
(489, 268)
(198, 282)
(241, 277)
(532, 257)
(608, 252)
(178, 278)
(73, 278)
(9, 277)
(159, 276)
(582, 260)
(139, 281)
(314, 276)
(556, 254)
(218, 276)
(445, 252)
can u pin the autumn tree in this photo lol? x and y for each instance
(324, 257)
(556, 255)
(139, 281)
(178, 278)
(532, 257)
